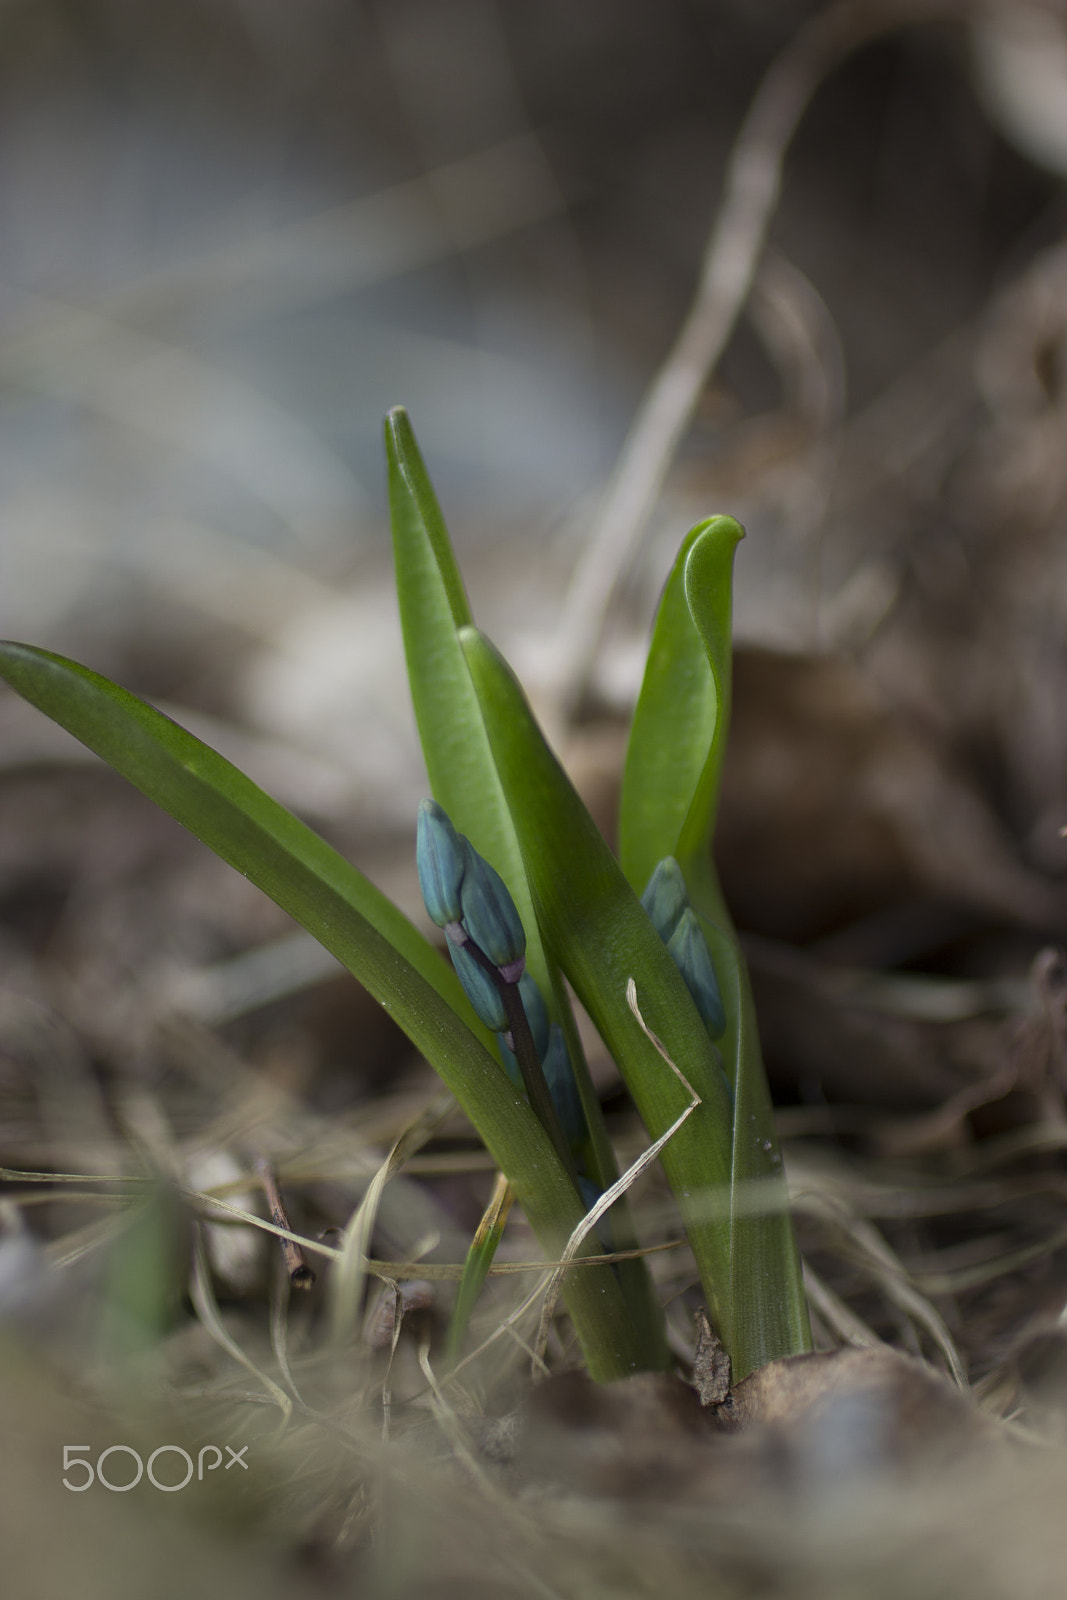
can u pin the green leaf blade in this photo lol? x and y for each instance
(668, 808)
(670, 781)
(464, 776)
(601, 936)
(459, 760)
(334, 901)
(763, 1247)
(253, 833)
(433, 606)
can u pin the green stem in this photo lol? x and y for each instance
(525, 1052)
(533, 1076)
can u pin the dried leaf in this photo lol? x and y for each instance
(711, 1364)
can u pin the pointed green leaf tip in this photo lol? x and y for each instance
(490, 917)
(441, 861)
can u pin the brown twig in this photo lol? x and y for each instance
(301, 1273)
(730, 265)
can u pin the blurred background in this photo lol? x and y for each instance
(232, 234)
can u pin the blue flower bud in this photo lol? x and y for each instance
(441, 861)
(665, 897)
(490, 917)
(481, 991)
(688, 949)
(559, 1075)
(509, 1061)
(536, 1013)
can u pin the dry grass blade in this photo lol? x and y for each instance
(838, 1317)
(863, 1244)
(1006, 1262)
(203, 1298)
(83, 1241)
(279, 1327)
(14, 1175)
(453, 1429)
(347, 1282)
(618, 1188)
(301, 1275)
(211, 1204)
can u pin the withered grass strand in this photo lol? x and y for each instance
(301, 1273)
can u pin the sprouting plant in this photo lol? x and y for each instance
(529, 895)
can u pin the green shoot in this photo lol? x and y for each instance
(530, 898)
(483, 1248)
(669, 800)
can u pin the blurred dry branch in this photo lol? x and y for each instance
(728, 272)
(233, 235)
